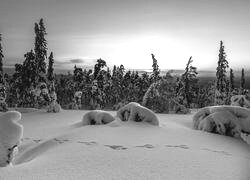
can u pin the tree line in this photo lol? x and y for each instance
(105, 88)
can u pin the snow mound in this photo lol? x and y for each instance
(225, 120)
(97, 117)
(11, 133)
(135, 112)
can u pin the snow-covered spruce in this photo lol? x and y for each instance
(11, 133)
(240, 100)
(135, 112)
(54, 106)
(159, 96)
(180, 109)
(225, 120)
(77, 101)
(97, 117)
(43, 96)
(3, 105)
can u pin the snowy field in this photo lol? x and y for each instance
(57, 146)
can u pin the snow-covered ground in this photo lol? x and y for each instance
(57, 146)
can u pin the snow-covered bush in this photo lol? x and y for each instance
(77, 101)
(135, 112)
(53, 106)
(180, 109)
(240, 100)
(43, 96)
(11, 133)
(225, 120)
(97, 117)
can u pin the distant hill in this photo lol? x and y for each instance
(11, 70)
(204, 76)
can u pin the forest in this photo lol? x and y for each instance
(34, 83)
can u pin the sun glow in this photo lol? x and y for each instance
(136, 52)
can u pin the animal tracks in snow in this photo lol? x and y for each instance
(87, 143)
(149, 146)
(120, 147)
(116, 147)
(178, 146)
(61, 141)
(215, 151)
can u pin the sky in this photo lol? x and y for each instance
(128, 31)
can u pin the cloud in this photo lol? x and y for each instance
(70, 63)
(77, 61)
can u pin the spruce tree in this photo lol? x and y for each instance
(50, 73)
(231, 80)
(98, 66)
(156, 71)
(3, 105)
(40, 51)
(29, 70)
(221, 78)
(187, 83)
(242, 81)
(25, 79)
(1, 61)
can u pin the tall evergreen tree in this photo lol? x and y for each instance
(156, 71)
(187, 82)
(98, 66)
(242, 81)
(221, 78)
(3, 105)
(1, 61)
(231, 80)
(25, 79)
(50, 73)
(40, 50)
